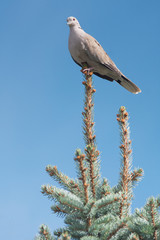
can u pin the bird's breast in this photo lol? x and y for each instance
(76, 45)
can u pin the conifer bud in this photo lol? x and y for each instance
(88, 148)
(51, 174)
(45, 232)
(122, 146)
(78, 152)
(122, 109)
(97, 153)
(125, 114)
(129, 152)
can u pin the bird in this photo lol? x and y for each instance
(86, 50)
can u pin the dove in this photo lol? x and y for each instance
(86, 50)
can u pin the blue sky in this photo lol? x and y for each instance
(41, 100)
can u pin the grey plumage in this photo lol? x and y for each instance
(85, 49)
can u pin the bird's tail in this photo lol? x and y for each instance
(128, 84)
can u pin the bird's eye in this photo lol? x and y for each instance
(74, 19)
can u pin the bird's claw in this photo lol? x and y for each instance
(87, 71)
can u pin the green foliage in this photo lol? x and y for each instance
(91, 208)
(44, 233)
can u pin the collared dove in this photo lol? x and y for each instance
(85, 49)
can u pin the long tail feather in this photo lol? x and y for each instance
(128, 84)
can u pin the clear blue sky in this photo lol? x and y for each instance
(41, 100)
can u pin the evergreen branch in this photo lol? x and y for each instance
(89, 238)
(114, 231)
(136, 175)
(59, 210)
(133, 236)
(147, 221)
(58, 232)
(141, 215)
(88, 111)
(122, 119)
(153, 213)
(63, 197)
(105, 219)
(92, 209)
(158, 202)
(44, 233)
(99, 225)
(105, 201)
(62, 234)
(78, 234)
(80, 158)
(121, 207)
(62, 179)
(65, 236)
(91, 152)
(76, 224)
(109, 202)
(78, 221)
(105, 189)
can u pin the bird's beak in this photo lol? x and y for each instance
(69, 22)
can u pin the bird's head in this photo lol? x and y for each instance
(72, 21)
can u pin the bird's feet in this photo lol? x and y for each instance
(87, 71)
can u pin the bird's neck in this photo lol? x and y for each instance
(76, 30)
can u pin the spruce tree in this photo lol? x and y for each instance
(91, 208)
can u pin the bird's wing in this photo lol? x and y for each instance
(96, 53)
